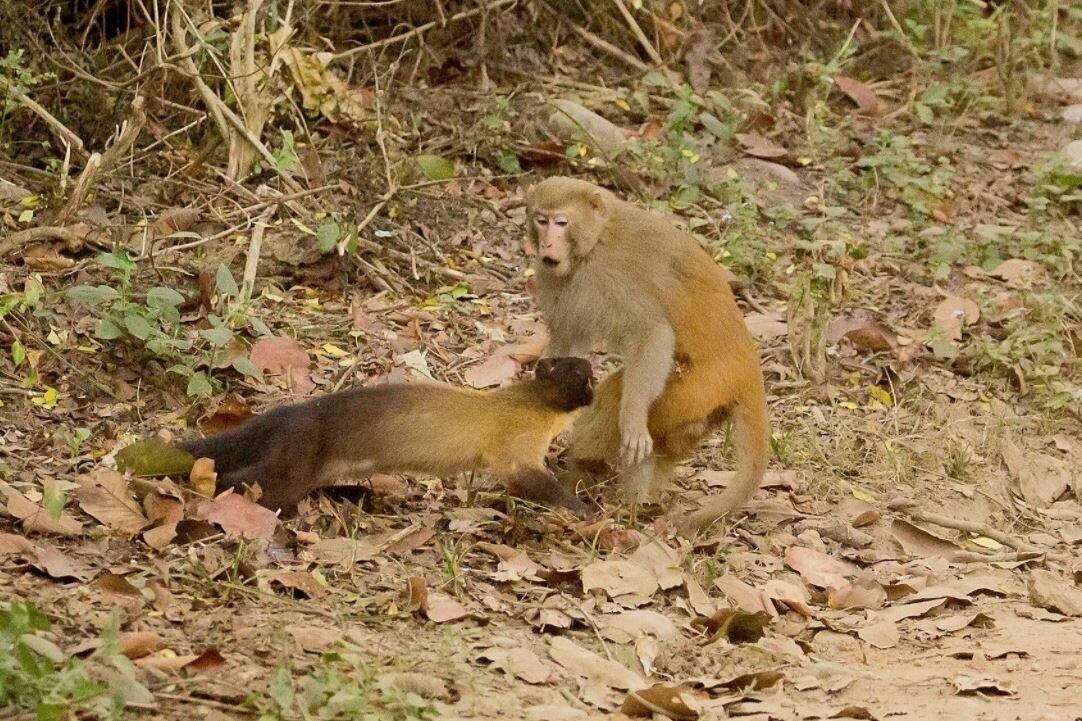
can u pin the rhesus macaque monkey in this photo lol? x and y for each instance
(434, 428)
(606, 270)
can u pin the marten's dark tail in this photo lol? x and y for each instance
(243, 446)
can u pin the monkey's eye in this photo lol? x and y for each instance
(560, 222)
(540, 220)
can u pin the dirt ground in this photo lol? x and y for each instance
(906, 257)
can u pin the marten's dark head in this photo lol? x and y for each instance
(568, 383)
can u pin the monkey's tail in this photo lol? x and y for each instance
(751, 439)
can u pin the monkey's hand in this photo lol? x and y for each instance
(636, 442)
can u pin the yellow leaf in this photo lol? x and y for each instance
(731, 174)
(622, 104)
(332, 350)
(863, 495)
(849, 405)
(854, 378)
(881, 394)
(771, 256)
(26, 216)
(47, 399)
(985, 542)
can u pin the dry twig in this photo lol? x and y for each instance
(421, 29)
(638, 33)
(973, 527)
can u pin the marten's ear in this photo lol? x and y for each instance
(545, 368)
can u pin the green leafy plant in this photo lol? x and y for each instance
(896, 168)
(498, 123)
(152, 322)
(1057, 186)
(36, 676)
(341, 686)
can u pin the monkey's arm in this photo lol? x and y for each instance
(647, 366)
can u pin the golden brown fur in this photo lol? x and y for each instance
(408, 428)
(607, 270)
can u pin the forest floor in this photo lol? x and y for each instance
(907, 262)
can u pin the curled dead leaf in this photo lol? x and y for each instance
(671, 701)
(865, 98)
(953, 313)
(738, 626)
(1017, 272)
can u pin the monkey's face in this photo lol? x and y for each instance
(565, 217)
(553, 234)
(569, 381)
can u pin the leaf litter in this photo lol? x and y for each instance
(823, 599)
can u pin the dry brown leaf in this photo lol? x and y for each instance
(865, 98)
(14, 544)
(881, 634)
(202, 479)
(496, 370)
(744, 596)
(209, 660)
(617, 577)
(230, 412)
(738, 626)
(788, 596)
(671, 701)
(985, 685)
(238, 517)
(301, 581)
(172, 221)
(697, 598)
(817, 568)
(36, 519)
(58, 565)
(918, 542)
(343, 551)
(662, 560)
(956, 622)
(441, 608)
(1048, 591)
(519, 662)
(857, 512)
(104, 494)
(314, 639)
(953, 313)
(860, 593)
(136, 644)
(597, 669)
(117, 589)
(758, 146)
(894, 614)
(284, 356)
(1017, 272)
(164, 664)
(766, 326)
(626, 626)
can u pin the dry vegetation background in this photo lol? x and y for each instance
(207, 208)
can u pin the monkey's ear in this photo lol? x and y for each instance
(597, 201)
